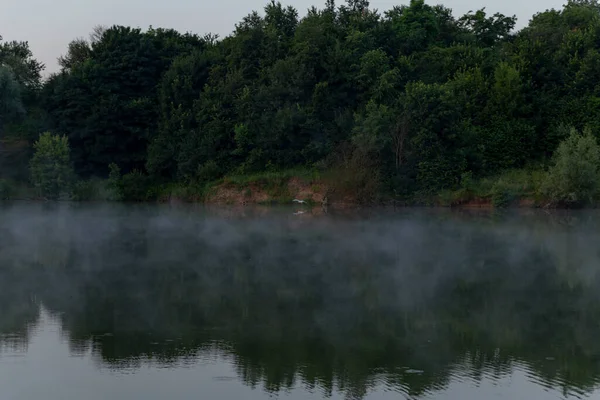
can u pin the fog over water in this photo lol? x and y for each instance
(182, 302)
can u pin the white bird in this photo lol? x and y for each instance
(299, 201)
(299, 212)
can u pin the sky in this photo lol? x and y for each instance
(49, 25)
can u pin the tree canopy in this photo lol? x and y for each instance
(426, 96)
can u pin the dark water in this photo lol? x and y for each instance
(125, 302)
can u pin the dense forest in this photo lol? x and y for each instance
(405, 104)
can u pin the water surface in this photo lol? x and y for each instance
(155, 302)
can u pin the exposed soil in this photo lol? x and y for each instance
(256, 193)
(527, 203)
(311, 192)
(314, 192)
(476, 203)
(229, 194)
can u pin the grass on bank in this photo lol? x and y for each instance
(572, 179)
(11, 190)
(275, 184)
(503, 190)
(271, 177)
(137, 187)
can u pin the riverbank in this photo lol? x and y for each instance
(521, 188)
(268, 188)
(511, 189)
(518, 188)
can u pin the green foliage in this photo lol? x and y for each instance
(574, 179)
(179, 88)
(18, 57)
(78, 52)
(354, 174)
(84, 190)
(108, 104)
(503, 194)
(488, 30)
(136, 186)
(208, 171)
(466, 181)
(6, 189)
(51, 170)
(501, 190)
(11, 104)
(114, 183)
(268, 177)
(413, 96)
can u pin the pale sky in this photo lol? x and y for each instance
(49, 25)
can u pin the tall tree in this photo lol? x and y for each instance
(11, 104)
(19, 58)
(112, 109)
(78, 52)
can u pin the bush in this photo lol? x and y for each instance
(114, 184)
(6, 189)
(51, 171)
(503, 194)
(574, 179)
(84, 191)
(355, 174)
(135, 186)
(466, 181)
(208, 171)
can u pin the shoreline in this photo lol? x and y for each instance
(282, 188)
(222, 200)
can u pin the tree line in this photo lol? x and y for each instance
(410, 101)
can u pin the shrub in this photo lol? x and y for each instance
(466, 181)
(135, 186)
(114, 184)
(574, 179)
(6, 189)
(355, 174)
(208, 171)
(503, 194)
(84, 191)
(51, 170)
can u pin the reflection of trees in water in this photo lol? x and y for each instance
(334, 305)
(19, 309)
(19, 312)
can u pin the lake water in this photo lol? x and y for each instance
(160, 302)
